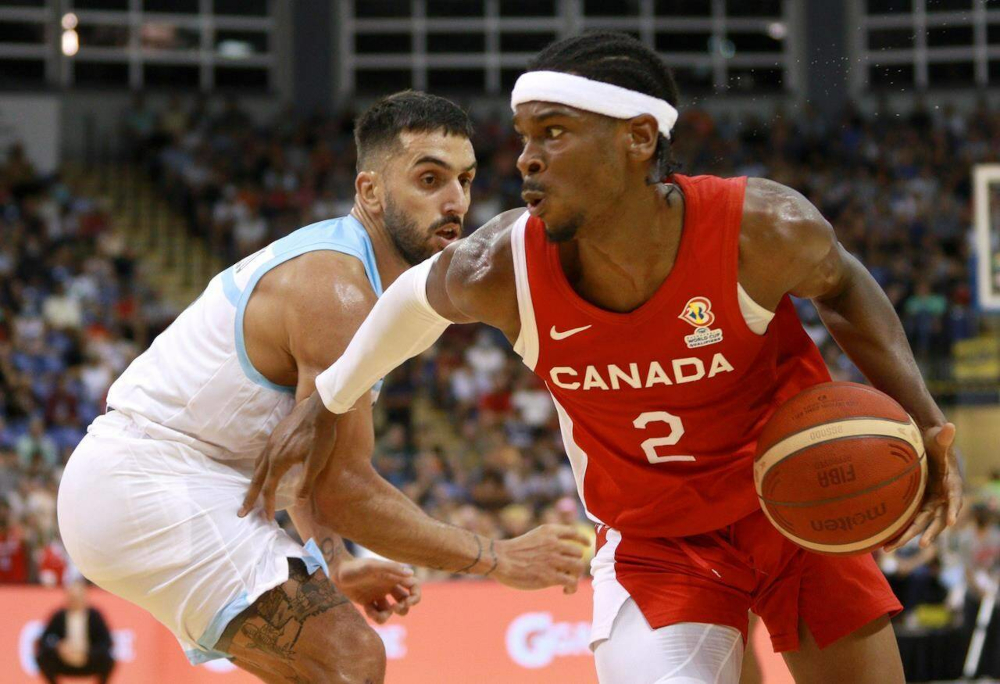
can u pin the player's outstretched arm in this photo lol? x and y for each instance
(350, 498)
(470, 281)
(786, 246)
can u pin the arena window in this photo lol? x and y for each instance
(122, 43)
(942, 43)
(732, 43)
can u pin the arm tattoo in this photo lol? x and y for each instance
(493, 555)
(479, 555)
(330, 549)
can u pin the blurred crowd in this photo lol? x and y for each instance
(73, 314)
(465, 430)
(942, 584)
(895, 186)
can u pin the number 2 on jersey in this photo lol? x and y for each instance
(676, 432)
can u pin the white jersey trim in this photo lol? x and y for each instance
(577, 457)
(526, 345)
(756, 316)
(609, 594)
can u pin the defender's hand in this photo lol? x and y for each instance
(943, 497)
(382, 588)
(546, 556)
(307, 436)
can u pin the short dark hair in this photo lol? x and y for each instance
(377, 130)
(619, 59)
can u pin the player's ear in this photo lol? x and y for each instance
(367, 187)
(643, 134)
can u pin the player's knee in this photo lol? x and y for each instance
(345, 656)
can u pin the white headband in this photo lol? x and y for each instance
(592, 96)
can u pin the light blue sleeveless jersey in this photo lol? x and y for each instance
(196, 383)
(345, 235)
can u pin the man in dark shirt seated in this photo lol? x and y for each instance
(77, 641)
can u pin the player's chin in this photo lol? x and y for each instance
(559, 232)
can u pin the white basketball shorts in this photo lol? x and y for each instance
(154, 521)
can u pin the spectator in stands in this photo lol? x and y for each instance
(913, 574)
(139, 126)
(923, 315)
(76, 642)
(52, 562)
(36, 447)
(979, 548)
(568, 511)
(14, 554)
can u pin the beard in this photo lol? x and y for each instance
(565, 231)
(411, 243)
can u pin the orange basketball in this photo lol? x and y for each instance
(840, 469)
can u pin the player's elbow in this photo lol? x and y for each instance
(836, 278)
(336, 500)
(445, 291)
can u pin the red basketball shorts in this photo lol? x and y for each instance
(717, 577)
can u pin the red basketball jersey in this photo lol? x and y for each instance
(660, 408)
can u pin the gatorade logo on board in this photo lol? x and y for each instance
(534, 639)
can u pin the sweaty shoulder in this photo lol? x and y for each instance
(783, 239)
(324, 279)
(480, 278)
(304, 312)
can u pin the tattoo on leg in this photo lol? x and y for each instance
(274, 622)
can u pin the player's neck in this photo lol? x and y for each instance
(622, 258)
(389, 262)
(639, 218)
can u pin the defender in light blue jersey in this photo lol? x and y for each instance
(148, 502)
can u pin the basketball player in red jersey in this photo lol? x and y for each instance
(656, 308)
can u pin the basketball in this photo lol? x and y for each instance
(840, 469)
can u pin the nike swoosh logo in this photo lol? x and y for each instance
(556, 335)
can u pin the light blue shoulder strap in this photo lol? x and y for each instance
(345, 235)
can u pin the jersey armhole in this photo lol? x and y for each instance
(756, 317)
(526, 345)
(747, 314)
(246, 364)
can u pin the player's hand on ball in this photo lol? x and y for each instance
(943, 498)
(306, 435)
(382, 588)
(549, 555)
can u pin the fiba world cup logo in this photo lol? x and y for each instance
(698, 312)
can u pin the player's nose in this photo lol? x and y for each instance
(456, 200)
(530, 162)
